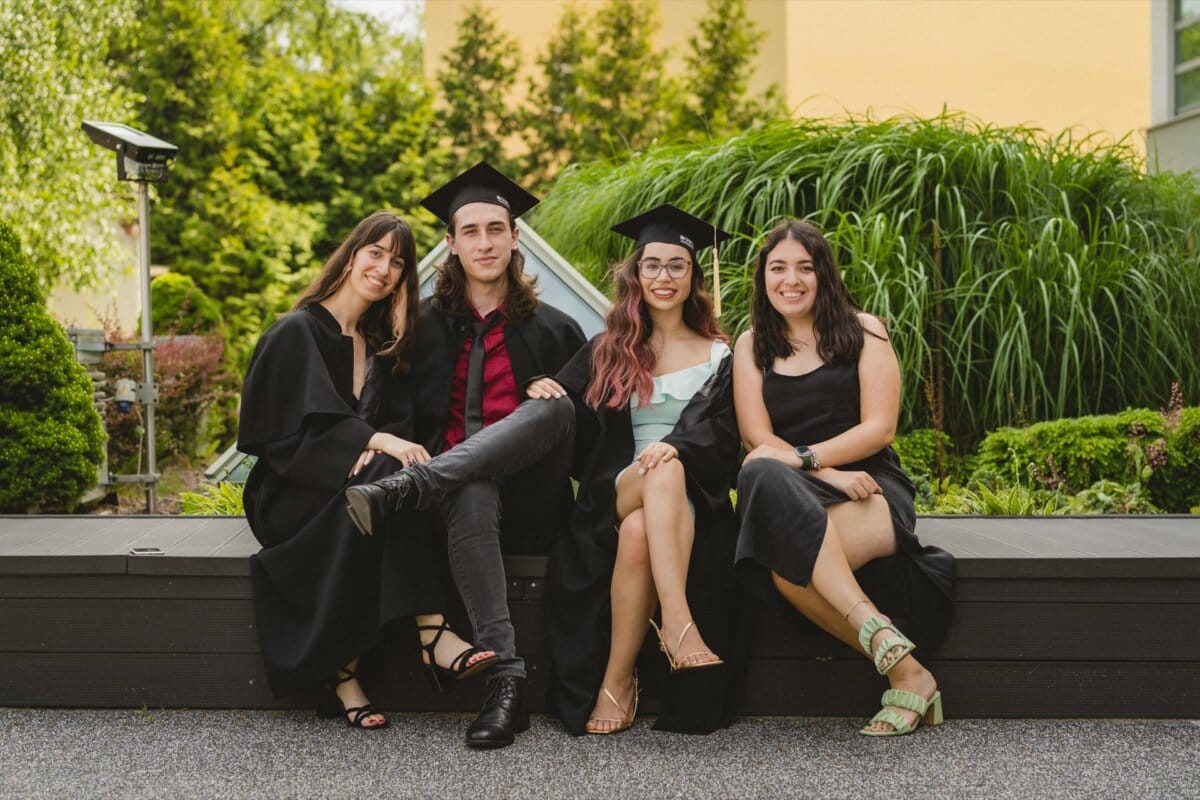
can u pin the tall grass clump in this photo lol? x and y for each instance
(1023, 277)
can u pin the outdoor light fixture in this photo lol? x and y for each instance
(140, 156)
(143, 159)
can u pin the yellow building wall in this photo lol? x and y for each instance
(1053, 64)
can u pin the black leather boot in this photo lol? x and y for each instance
(369, 504)
(504, 715)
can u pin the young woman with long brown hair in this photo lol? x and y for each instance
(324, 406)
(821, 493)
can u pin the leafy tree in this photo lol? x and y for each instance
(217, 220)
(626, 93)
(719, 65)
(294, 118)
(556, 115)
(51, 440)
(55, 185)
(476, 81)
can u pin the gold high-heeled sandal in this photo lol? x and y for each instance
(681, 664)
(627, 717)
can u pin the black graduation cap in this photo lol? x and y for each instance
(482, 183)
(672, 225)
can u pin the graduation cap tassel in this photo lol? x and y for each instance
(716, 281)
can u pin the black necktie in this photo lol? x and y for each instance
(473, 416)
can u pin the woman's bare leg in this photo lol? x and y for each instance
(857, 532)
(633, 602)
(670, 532)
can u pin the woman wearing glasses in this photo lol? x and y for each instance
(653, 528)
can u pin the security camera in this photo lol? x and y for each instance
(140, 156)
(126, 395)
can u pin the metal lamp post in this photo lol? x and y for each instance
(142, 159)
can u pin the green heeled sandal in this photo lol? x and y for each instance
(928, 711)
(884, 658)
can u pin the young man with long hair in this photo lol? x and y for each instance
(483, 343)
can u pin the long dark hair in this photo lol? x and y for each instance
(450, 286)
(838, 330)
(377, 325)
(622, 359)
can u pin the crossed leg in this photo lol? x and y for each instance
(857, 532)
(654, 548)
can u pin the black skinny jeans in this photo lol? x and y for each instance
(462, 482)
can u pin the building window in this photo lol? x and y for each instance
(1187, 55)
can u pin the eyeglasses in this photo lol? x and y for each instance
(651, 268)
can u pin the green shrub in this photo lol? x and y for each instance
(221, 500)
(51, 440)
(1175, 485)
(1013, 500)
(1070, 455)
(919, 456)
(1110, 497)
(181, 307)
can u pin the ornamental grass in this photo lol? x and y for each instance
(1023, 277)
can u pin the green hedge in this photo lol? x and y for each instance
(1070, 455)
(51, 440)
(181, 307)
(1175, 486)
(918, 453)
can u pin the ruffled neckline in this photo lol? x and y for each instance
(683, 384)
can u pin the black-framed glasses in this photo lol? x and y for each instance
(651, 268)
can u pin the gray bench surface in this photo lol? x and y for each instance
(1058, 616)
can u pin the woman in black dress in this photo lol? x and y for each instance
(653, 526)
(821, 493)
(323, 406)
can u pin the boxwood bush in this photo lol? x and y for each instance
(181, 307)
(1069, 455)
(1175, 486)
(51, 440)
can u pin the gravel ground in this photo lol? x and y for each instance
(57, 753)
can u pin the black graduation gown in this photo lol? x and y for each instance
(536, 503)
(578, 577)
(322, 591)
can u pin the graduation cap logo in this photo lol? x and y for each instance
(671, 225)
(482, 183)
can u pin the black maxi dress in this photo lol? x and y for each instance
(783, 517)
(322, 591)
(579, 572)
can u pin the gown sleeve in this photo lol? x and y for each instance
(292, 414)
(575, 376)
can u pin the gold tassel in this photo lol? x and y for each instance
(716, 279)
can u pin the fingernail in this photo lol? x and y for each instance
(641, 470)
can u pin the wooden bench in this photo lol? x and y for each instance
(1084, 616)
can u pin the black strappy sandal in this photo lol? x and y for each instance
(442, 679)
(332, 705)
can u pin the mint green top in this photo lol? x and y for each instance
(672, 392)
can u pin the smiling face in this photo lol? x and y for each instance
(790, 279)
(662, 291)
(375, 270)
(483, 238)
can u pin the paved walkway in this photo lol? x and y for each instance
(52, 753)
